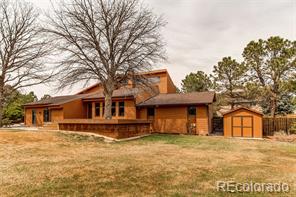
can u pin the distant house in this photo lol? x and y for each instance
(166, 110)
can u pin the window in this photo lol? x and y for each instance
(121, 108)
(103, 110)
(98, 109)
(150, 111)
(192, 110)
(89, 110)
(33, 116)
(154, 79)
(113, 110)
(46, 115)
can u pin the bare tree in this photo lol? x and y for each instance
(22, 48)
(105, 40)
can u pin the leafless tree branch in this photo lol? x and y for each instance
(22, 47)
(105, 40)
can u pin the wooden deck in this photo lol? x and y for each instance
(118, 129)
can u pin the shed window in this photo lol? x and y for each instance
(192, 110)
(46, 115)
(98, 109)
(121, 108)
(113, 110)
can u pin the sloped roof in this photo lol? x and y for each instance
(122, 92)
(58, 100)
(245, 108)
(180, 99)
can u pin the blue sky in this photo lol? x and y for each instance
(200, 32)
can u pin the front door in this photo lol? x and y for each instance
(150, 113)
(191, 120)
(242, 126)
(33, 117)
(89, 110)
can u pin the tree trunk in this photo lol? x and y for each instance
(108, 92)
(108, 106)
(273, 110)
(273, 106)
(1, 106)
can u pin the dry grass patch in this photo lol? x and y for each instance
(47, 164)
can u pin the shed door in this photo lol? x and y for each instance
(242, 126)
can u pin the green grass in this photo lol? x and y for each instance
(60, 164)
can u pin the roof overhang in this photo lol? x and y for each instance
(113, 98)
(173, 104)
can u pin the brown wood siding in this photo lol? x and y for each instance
(57, 115)
(211, 114)
(170, 120)
(202, 120)
(28, 116)
(171, 88)
(142, 113)
(174, 119)
(39, 116)
(234, 119)
(74, 109)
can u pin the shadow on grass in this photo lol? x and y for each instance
(72, 137)
(187, 141)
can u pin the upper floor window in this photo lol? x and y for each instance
(121, 108)
(154, 79)
(98, 109)
(113, 109)
(46, 115)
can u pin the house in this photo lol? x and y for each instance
(160, 106)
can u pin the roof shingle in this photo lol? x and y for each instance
(180, 99)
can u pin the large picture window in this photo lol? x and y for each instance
(121, 108)
(46, 115)
(113, 110)
(98, 109)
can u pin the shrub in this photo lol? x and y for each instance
(292, 130)
(6, 122)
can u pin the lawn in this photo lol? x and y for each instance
(58, 164)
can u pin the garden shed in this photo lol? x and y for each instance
(243, 122)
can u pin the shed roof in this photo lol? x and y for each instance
(245, 108)
(180, 99)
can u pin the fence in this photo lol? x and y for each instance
(271, 125)
(218, 125)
